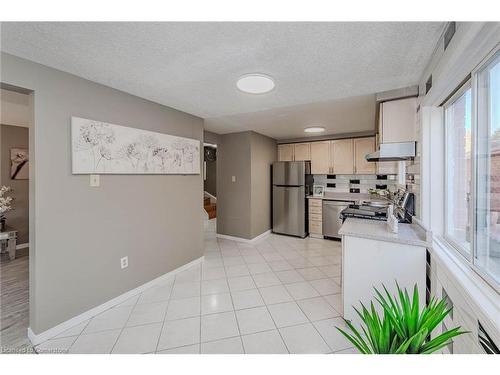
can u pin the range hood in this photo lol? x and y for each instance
(394, 152)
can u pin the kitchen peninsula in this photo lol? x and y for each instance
(373, 256)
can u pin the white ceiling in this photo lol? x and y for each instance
(194, 66)
(339, 116)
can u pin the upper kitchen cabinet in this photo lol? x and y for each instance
(397, 120)
(320, 158)
(302, 151)
(362, 147)
(342, 156)
(285, 152)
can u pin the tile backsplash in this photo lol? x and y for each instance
(413, 182)
(355, 183)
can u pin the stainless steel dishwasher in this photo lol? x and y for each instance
(331, 217)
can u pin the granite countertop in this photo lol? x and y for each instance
(355, 197)
(409, 234)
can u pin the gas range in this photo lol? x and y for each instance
(365, 212)
(403, 209)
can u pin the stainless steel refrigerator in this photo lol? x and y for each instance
(292, 183)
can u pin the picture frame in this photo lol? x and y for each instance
(103, 148)
(318, 190)
(19, 163)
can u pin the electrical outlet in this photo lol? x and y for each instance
(94, 180)
(124, 262)
(233, 178)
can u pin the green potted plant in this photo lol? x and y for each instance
(404, 328)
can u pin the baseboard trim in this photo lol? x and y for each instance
(22, 246)
(245, 240)
(60, 328)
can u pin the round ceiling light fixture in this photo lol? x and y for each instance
(255, 83)
(314, 129)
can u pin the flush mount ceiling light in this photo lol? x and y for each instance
(255, 83)
(314, 129)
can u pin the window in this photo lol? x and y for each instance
(458, 227)
(472, 182)
(487, 254)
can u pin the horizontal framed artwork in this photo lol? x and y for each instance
(102, 148)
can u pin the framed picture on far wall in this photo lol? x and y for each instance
(19, 163)
(318, 190)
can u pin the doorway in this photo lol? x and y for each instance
(15, 124)
(210, 186)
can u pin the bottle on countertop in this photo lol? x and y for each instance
(392, 221)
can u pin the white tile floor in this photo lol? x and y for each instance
(279, 295)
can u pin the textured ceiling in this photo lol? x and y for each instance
(194, 66)
(339, 116)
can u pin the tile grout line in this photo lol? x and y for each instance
(237, 322)
(164, 317)
(81, 333)
(310, 322)
(201, 280)
(277, 329)
(75, 336)
(252, 277)
(125, 325)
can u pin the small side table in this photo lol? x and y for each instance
(9, 235)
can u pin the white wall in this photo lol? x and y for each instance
(473, 298)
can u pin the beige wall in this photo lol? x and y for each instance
(244, 206)
(80, 232)
(233, 198)
(264, 153)
(210, 137)
(18, 218)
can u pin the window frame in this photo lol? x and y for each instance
(469, 256)
(482, 272)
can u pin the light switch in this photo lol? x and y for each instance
(94, 180)
(233, 178)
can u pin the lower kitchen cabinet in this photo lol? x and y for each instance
(315, 218)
